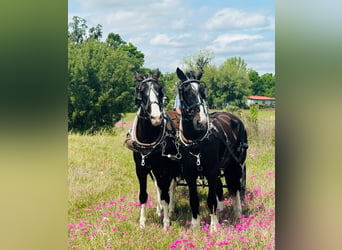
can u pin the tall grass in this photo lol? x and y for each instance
(104, 208)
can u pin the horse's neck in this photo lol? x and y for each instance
(145, 132)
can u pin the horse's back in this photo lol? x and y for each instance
(230, 124)
(226, 118)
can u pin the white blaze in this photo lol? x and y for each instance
(202, 114)
(155, 111)
(203, 117)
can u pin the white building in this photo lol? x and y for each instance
(254, 99)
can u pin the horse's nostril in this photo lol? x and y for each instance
(201, 123)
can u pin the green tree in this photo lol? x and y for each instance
(100, 86)
(95, 33)
(211, 80)
(199, 60)
(269, 82)
(262, 85)
(257, 87)
(169, 80)
(114, 40)
(228, 84)
(136, 57)
(77, 30)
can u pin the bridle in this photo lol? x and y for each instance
(145, 149)
(146, 114)
(189, 111)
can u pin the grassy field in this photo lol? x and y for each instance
(103, 198)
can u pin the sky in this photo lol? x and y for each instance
(167, 31)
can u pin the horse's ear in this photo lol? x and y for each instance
(181, 75)
(199, 75)
(163, 90)
(203, 92)
(138, 76)
(156, 74)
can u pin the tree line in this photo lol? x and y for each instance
(101, 78)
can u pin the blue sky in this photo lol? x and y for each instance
(166, 31)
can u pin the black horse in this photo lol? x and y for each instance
(152, 139)
(212, 143)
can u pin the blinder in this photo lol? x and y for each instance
(141, 90)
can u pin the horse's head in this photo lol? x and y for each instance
(149, 95)
(192, 97)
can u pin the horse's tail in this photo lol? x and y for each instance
(243, 142)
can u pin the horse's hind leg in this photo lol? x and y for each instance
(233, 176)
(219, 194)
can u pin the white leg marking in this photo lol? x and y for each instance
(159, 206)
(142, 216)
(237, 206)
(172, 192)
(219, 204)
(166, 219)
(195, 223)
(213, 223)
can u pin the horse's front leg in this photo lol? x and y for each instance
(172, 192)
(194, 201)
(159, 204)
(212, 201)
(142, 173)
(165, 185)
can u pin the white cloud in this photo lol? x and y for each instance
(178, 24)
(230, 38)
(167, 30)
(228, 19)
(235, 43)
(165, 40)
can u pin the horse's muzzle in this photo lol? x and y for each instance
(156, 121)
